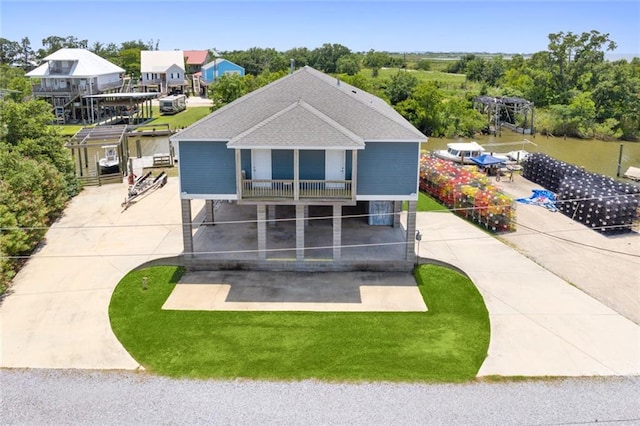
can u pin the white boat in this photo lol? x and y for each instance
(460, 152)
(110, 163)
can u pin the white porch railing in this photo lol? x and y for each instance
(256, 189)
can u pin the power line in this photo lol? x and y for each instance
(444, 210)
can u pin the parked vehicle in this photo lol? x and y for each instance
(173, 104)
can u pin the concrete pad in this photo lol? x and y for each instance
(282, 291)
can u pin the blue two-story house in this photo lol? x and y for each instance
(219, 67)
(305, 140)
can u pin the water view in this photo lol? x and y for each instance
(594, 155)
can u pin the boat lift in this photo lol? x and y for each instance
(142, 185)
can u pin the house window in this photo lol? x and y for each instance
(171, 76)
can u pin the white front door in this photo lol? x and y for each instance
(261, 167)
(334, 161)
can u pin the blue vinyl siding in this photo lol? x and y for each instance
(388, 168)
(311, 164)
(245, 162)
(282, 164)
(207, 168)
(220, 70)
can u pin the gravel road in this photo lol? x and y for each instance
(41, 397)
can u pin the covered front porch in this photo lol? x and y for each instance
(228, 235)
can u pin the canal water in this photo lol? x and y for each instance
(594, 155)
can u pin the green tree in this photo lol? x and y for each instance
(423, 64)
(326, 58)
(375, 61)
(424, 109)
(13, 78)
(257, 60)
(401, 86)
(349, 64)
(9, 51)
(52, 44)
(616, 97)
(226, 89)
(571, 56)
(129, 60)
(27, 131)
(300, 56)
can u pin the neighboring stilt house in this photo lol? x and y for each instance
(304, 141)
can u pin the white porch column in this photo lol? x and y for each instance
(262, 231)
(354, 173)
(300, 232)
(337, 231)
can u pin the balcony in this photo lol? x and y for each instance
(285, 189)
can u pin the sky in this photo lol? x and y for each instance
(514, 26)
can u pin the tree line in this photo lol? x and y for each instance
(37, 175)
(576, 91)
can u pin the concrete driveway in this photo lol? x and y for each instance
(56, 312)
(540, 325)
(56, 315)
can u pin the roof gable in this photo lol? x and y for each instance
(158, 61)
(297, 126)
(196, 57)
(367, 116)
(219, 61)
(85, 64)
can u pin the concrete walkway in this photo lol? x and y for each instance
(540, 325)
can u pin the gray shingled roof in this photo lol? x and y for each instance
(306, 108)
(299, 125)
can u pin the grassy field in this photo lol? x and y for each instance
(446, 344)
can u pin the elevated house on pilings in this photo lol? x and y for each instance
(306, 173)
(69, 77)
(163, 71)
(507, 112)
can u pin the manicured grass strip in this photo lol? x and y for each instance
(182, 119)
(446, 344)
(426, 203)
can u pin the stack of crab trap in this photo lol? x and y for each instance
(597, 201)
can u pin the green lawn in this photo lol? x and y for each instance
(426, 204)
(68, 129)
(446, 344)
(182, 119)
